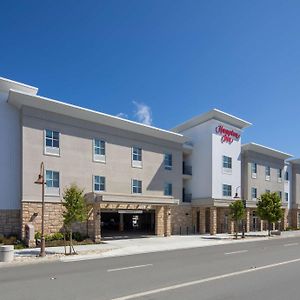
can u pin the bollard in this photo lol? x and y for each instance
(6, 253)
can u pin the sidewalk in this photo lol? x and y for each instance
(133, 246)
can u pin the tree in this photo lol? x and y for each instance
(237, 213)
(75, 210)
(269, 208)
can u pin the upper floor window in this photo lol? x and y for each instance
(268, 191)
(52, 183)
(136, 186)
(286, 196)
(168, 189)
(280, 194)
(227, 190)
(279, 175)
(253, 193)
(254, 170)
(268, 173)
(286, 177)
(227, 162)
(99, 150)
(99, 183)
(168, 161)
(136, 157)
(51, 142)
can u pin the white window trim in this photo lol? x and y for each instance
(98, 157)
(137, 163)
(226, 197)
(52, 191)
(168, 183)
(52, 151)
(95, 191)
(132, 186)
(168, 167)
(253, 198)
(253, 175)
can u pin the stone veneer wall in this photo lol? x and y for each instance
(32, 213)
(182, 217)
(10, 220)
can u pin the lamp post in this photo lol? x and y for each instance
(41, 180)
(236, 196)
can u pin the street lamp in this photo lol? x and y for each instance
(41, 180)
(236, 196)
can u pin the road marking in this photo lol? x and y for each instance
(132, 267)
(291, 244)
(196, 282)
(236, 252)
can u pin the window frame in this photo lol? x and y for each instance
(253, 193)
(53, 190)
(168, 161)
(51, 149)
(99, 157)
(279, 175)
(135, 188)
(168, 189)
(253, 166)
(268, 173)
(136, 163)
(103, 184)
(228, 192)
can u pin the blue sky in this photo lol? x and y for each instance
(176, 59)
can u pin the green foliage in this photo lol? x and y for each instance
(75, 206)
(50, 237)
(269, 208)
(237, 213)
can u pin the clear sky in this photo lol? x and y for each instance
(172, 59)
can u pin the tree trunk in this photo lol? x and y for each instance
(269, 228)
(236, 229)
(71, 241)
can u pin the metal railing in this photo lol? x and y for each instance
(187, 170)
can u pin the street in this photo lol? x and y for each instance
(255, 270)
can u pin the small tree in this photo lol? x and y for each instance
(75, 210)
(269, 208)
(237, 213)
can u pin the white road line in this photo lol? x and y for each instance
(236, 252)
(291, 244)
(196, 282)
(127, 268)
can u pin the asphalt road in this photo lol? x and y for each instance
(255, 270)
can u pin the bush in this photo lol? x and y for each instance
(50, 237)
(77, 236)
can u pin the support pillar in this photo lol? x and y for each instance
(167, 221)
(230, 227)
(247, 220)
(284, 220)
(159, 221)
(213, 220)
(261, 225)
(202, 229)
(121, 223)
(97, 224)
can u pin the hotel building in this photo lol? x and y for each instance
(136, 178)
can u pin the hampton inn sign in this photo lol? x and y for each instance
(227, 135)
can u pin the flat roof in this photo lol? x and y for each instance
(213, 114)
(7, 84)
(19, 99)
(266, 151)
(295, 161)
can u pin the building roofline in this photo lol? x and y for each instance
(295, 161)
(213, 114)
(19, 99)
(7, 84)
(266, 150)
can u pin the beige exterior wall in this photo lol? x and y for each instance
(260, 181)
(76, 164)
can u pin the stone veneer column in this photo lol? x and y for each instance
(230, 226)
(167, 221)
(213, 220)
(159, 221)
(121, 223)
(247, 220)
(284, 220)
(261, 225)
(97, 224)
(202, 223)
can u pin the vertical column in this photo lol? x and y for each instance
(202, 228)
(97, 224)
(194, 220)
(261, 225)
(247, 220)
(230, 226)
(213, 220)
(284, 220)
(167, 221)
(159, 221)
(121, 224)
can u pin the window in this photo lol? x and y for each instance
(136, 186)
(286, 177)
(168, 161)
(227, 162)
(168, 189)
(268, 172)
(268, 191)
(286, 197)
(99, 150)
(99, 183)
(52, 183)
(227, 190)
(254, 193)
(254, 170)
(51, 142)
(136, 161)
(280, 194)
(279, 175)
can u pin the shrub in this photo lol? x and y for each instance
(77, 236)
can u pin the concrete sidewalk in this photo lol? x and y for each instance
(122, 247)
